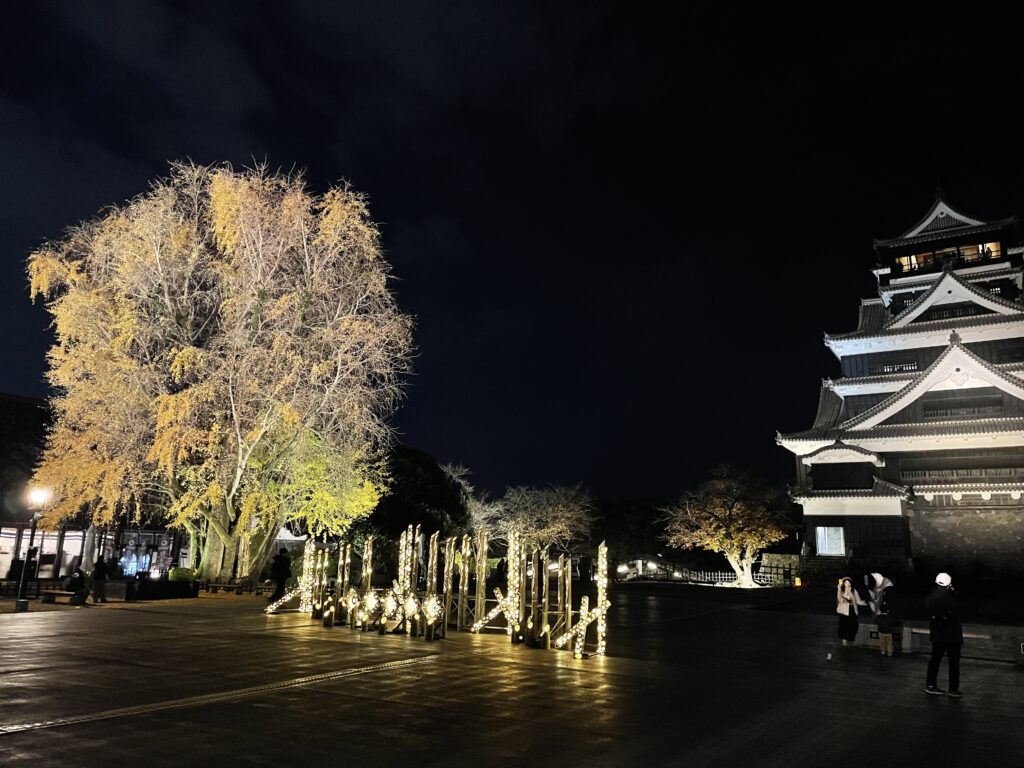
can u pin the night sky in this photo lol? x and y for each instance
(622, 229)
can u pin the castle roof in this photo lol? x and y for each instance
(942, 221)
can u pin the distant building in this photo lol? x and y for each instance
(23, 425)
(916, 456)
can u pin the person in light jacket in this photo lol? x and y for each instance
(847, 602)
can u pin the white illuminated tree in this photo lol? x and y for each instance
(732, 513)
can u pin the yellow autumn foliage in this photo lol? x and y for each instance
(227, 354)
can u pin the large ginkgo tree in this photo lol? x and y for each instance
(228, 353)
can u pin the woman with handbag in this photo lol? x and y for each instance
(847, 601)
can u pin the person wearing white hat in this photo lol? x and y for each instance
(947, 636)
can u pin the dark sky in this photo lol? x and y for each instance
(622, 228)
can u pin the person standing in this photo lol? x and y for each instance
(280, 572)
(947, 635)
(847, 601)
(99, 581)
(888, 621)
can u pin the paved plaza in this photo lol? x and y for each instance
(697, 677)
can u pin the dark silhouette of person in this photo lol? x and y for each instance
(947, 635)
(77, 585)
(280, 572)
(100, 571)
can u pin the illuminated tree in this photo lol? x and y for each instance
(227, 355)
(732, 514)
(543, 517)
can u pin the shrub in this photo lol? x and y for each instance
(181, 574)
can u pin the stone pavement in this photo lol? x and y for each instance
(698, 678)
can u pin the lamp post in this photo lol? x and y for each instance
(37, 497)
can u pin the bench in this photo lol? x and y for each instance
(238, 589)
(60, 595)
(215, 587)
(252, 588)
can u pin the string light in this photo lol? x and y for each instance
(598, 615)
(401, 603)
(508, 605)
(272, 608)
(306, 580)
(432, 609)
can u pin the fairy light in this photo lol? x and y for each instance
(598, 616)
(446, 582)
(578, 633)
(319, 583)
(480, 602)
(432, 609)
(603, 604)
(306, 580)
(402, 603)
(403, 557)
(411, 606)
(449, 565)
(272, 608)
(508, 605)
(371, 602)
(352, 599)
(390, 605)
(432, 565)
(464, 555)
(415, 547)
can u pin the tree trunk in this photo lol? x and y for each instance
(227, 563)
(746, 577)
(744, 568)
(255, 551)
(194, 546)
(209, 562)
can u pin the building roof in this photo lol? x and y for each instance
(920, 429)
(868, 423)
(930, 489)
(880, 489)
(932, 375)
(843, 453)
(952, 323)
(874, 316)
(953, 284)
(958, 485)
(881, 378)
(885, 378)
(928, 279)
(830, 409)
(941, 221)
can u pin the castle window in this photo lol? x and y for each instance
(830, 540)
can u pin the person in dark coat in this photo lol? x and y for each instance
(847, 603)
(888, 622)
(77, 585)
(947, 635)
(99, 581)
(280, 572)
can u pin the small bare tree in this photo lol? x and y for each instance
(483, 513)
(731, 513)
(544, 517)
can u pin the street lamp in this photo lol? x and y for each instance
(37, 498)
